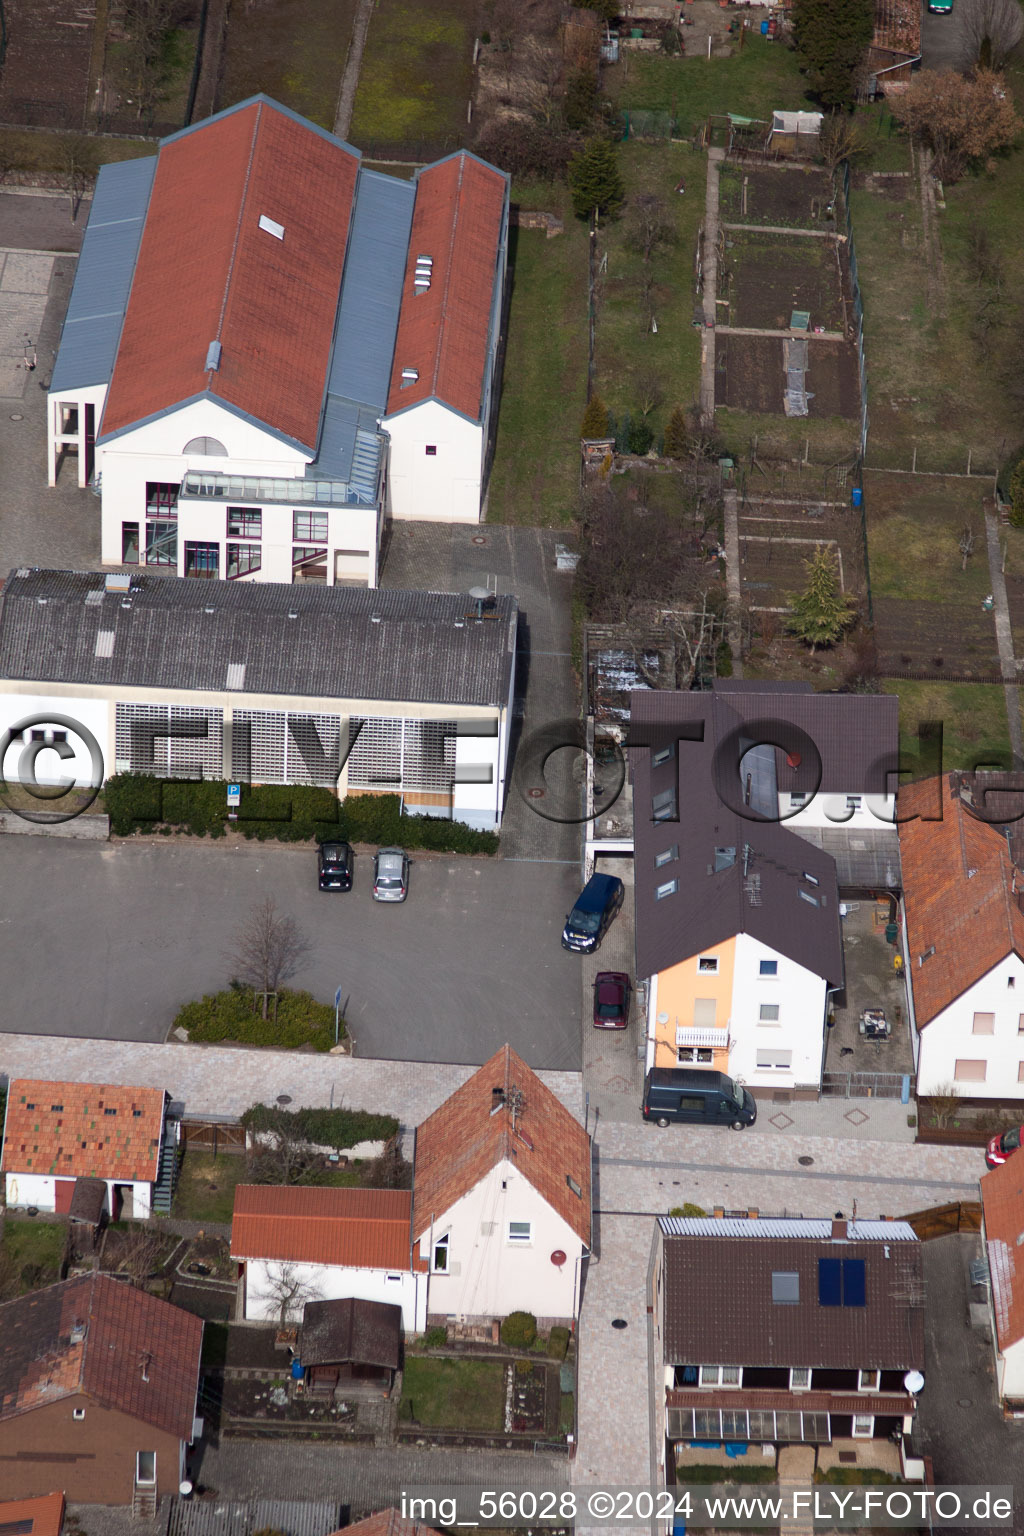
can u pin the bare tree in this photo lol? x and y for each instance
(648, 391)
(989, 32)
(648, 227)
(390, 1170)
(277, 1154)
(140, 1252)
(147, 23)
(841, 138)
(289, 1290)
(268, 950)
(77, 167)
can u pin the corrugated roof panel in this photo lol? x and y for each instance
(92, 326)
(763, 1226)
(371, 290)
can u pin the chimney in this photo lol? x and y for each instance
(838, 1231)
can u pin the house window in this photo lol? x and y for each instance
(309, 563)
(807, 896)
(519, 1231)
(863, 1426)
(661, 859)
(853, 802)
(1011, 981)
(773, 1060)
(769, 968)
(663, 805)
(161, 499)
(245, 523)
(689, 1054)
(984, 1024)
(668, 889)
(710, 1375)
(800, 1378)
(967, 1071)
(78, 1413)
(110, 1111)
(785, 1288)
(769, 1013)
(867, 1381)
(1020, 1071)
(431, 450)
(394, 1279)
(1020, 1023)
(439, 1262)
(663, 755)
(161, 542)
(708, 964)
(731, 1375)
(798, 799)
(704, 1012)
(201, 559)
(243, 559)
(129, 543)
(309, 527)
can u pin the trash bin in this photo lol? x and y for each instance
(764, 29)
(891, 933)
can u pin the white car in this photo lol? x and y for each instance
(390, 874)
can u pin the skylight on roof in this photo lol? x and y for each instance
(272, 227)
(104, 642)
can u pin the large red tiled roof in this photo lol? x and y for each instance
(102, 1338)
(206, 272)
(467, 1136)
(961, 892)
(1002, 1199)
(359, 1228)
(443, 333)
(386, 1522)
(87, 1130)
(44, 1515)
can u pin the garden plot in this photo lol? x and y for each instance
(786, 197)
(750, 375)
(766, 277)
(779, 534)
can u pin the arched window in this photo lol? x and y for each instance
(211, 446)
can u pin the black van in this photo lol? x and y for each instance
(591, 917)
(681, 1095)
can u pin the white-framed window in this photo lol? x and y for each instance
(863, 1426)
(771, 1059)
(853, 802)
(519, 1232)
(78, 1413)
(694, 1055)
(441, 1256)
(668, 888)
(769, 1013)
(732, 1375)
(663, 755)
(721, 1375)
(707, 964)
(768, 968)
(984, 1024)
(968, 1071)
(800, 1378)
(867, 1381)
(667, 856)
(798, 798)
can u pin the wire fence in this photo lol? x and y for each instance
(858, 308)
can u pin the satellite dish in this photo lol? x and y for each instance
(558, 1258)
(914, 1382)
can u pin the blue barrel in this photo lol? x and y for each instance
(298, 1370)
(764, 29)
(858, 496)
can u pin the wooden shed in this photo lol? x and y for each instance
(349, 1342)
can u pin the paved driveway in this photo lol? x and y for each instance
(940, 38)
(109, 940)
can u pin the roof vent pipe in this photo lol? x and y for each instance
(213, 357)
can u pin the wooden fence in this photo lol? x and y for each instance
(941, 1220)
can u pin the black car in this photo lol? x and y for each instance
(590, 918)
(334, 866)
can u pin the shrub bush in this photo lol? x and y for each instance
(558, 1342)
(519, 1330)
(280, 812)
(689, 1209)
(234, 1015)
(434, 1338)
(337, 1128)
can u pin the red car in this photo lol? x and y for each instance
(611, 1000)
(1000, 1147)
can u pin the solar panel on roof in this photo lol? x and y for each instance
(830, 1284)
(854, 1283)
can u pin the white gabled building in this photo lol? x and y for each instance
(227, 375)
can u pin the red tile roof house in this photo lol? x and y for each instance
(1002, 1205)
(499, 1218)
(258, 325)
(33, 1517)
(792, 1331)
(55, 1133)
(963, 945)
(98, 1386)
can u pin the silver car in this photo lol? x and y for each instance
(390, 875)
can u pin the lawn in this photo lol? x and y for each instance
(416, 78)
(627, 350)
(454, 1394)
(973, 719)
(35, 1249)
(293, 50)
(206, 1187)
(753, 83)
(914, 531)
(822, 441)
(535, 477)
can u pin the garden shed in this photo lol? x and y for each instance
(350, 1341)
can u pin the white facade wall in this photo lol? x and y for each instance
(154, 452)
(332, 1282)
(59, 436)
(799, 1032)
(871, 813)
(440, 487)
(490, 1275)
(40, 1190)
(950, 1037)
(16, 709)
(1010, 1371)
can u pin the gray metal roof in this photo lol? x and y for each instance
(316, 641)
(762, 1226)
(865, 859)
(92, 326)
(224, 1517)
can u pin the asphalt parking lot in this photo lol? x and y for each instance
(940, 39)
(110, 940)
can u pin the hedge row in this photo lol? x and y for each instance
(293, 813)
(337, 1128)
(236, 1014)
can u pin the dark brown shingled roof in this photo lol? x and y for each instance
(363, 1332)
(103, 1338)
(719, 1308)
